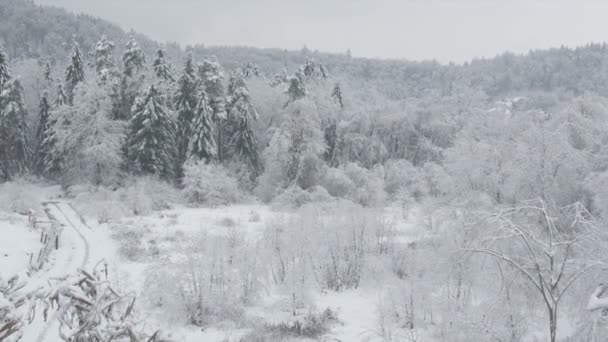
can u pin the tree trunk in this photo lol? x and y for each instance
(553, 323)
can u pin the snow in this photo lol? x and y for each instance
(18, 241)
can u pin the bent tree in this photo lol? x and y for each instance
(551, 249)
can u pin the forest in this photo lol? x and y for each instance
(448, 202)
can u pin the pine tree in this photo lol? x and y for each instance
(211, 77)
(151, 137)
(74, 72)
(161, 68)
(242, 115)
(124, 92)
(46, 71)
(61, 98)
(185, 102)
(13, 130)
(5, 73)
(42, 132)
(202, 144)
(133, 59)
(296, 89)
(104, 58)
(337, 95)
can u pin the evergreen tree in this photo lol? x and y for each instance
(104, 58)
(46, 71)
(242, 115)
(211, 78)
(133, 59)
(185, 102)
(337, 95)
(296, 89)
(74, 72)
(202, 144)
(161, 68)
(151, 137)
(61, 98)
(123, 93)
(5, 73)
(42, 132)
(13, 130)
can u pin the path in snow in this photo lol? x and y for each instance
(73, 253)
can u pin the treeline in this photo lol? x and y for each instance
(131, 116)
(31, 31)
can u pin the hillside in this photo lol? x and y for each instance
(31, 31)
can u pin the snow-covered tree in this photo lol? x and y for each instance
(242, 114)
(296, 89)
(42, 132)
(202, 144)
(47, 70)
(13, 130)
(211, 76)
(85, 143)
(336, 94)
(74, 73)
(5, 73)
(104, 55)
(185, 101)
(161, 68)
(61, 97)
(134, 58)
(151, 137)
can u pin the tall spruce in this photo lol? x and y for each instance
(13, 130)
(42, 133)
(185, 102)
(242, 115)
(296, 89)
(124, 92)
(103, 56)
(211, 76)
(336, 94)
(61, 97)
(202, 144)
(74, 73)
(161, 68)
(150, 143)
(134, 58)
(5, 73)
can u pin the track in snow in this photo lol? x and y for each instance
(73, 253)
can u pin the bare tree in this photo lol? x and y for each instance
(550, 248)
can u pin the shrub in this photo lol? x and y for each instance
(140, 196)
(209, 184)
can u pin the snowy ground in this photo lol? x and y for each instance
(85, 242)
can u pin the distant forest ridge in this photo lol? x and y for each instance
(28, 30)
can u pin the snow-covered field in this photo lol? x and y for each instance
(134, 246)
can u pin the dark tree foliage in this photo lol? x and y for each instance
(202, 145)
(42, 134)
(185, 102)
(74, 73)
(162, 70)
(13, 131)
(151, 137)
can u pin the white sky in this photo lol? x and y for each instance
(446, 30)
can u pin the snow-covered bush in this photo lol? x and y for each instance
(139, 196)
(401, 178)
(19, 196)
(210, 284)
(295, 197)
(208, 184)
(337, 183)
(369, 184)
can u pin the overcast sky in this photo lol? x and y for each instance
(446, 30)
